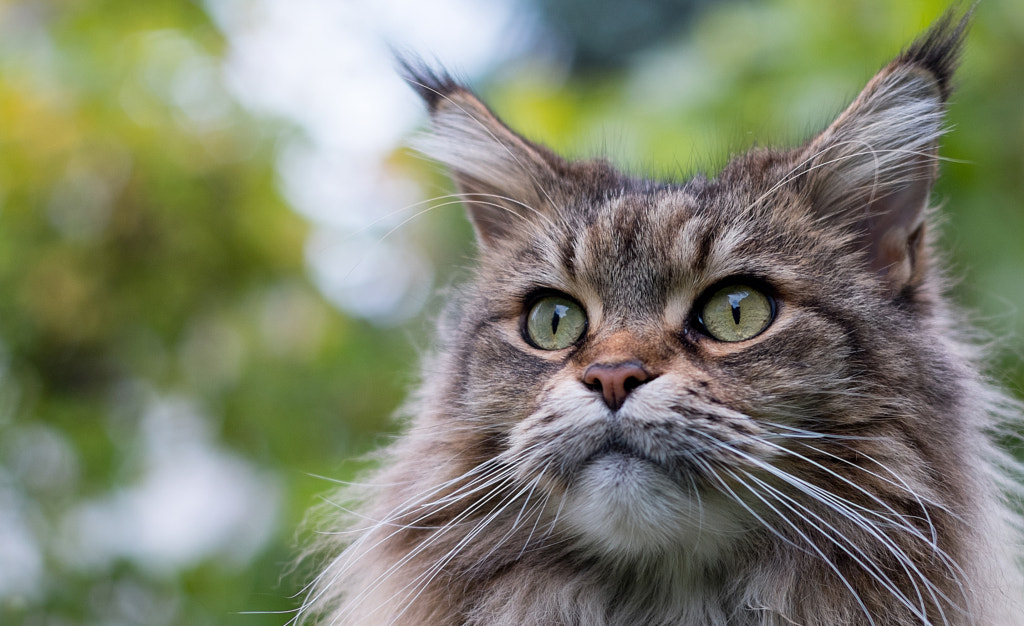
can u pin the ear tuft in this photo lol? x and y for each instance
(432, 83)
(873, 169)
(938, 50)
(507, 183)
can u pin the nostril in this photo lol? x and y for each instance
(615, 381)
(591, 379)
(632, 383)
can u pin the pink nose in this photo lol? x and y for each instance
(615, 381)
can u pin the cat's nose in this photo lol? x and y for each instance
(615, 381)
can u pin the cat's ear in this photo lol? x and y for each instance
(875, 166)
(506, 182)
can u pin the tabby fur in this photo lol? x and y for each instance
(838, 468)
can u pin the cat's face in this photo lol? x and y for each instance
(629, 415)
(660, 363)
(597, 356)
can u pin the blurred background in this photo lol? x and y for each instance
(218, 264)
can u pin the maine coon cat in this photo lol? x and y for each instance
(735, 400)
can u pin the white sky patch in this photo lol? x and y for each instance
(348, 269)
(21, 559)
(193, 501)
(328, 67)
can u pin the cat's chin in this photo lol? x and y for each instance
(623, 505)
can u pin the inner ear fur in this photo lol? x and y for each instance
(507, 183)
(873, 169)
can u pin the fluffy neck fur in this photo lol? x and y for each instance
(837, 468)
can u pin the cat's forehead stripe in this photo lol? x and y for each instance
(723, 258)
(706, 249)
(642, 252)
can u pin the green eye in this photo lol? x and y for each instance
(555, 323)
(736, 312)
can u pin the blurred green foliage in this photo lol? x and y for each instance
(146, 251)
(143, 244)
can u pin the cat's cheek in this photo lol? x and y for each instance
(570, 425)
(621, 505)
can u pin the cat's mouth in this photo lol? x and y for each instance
(617, 446)
(676, 465)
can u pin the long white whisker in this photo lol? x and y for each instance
(336, 573)
(813, 546)
(725, 488)
(848, 510)
(430, 541)
(493, 483)
(423, 580)
(853, 550)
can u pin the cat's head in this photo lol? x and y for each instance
(663, 360)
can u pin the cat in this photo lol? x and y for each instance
(737, 400)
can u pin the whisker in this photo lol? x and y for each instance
(847, 545)
(843, 508)
(428, 576)
(813, 546)
(430, 541)
(347, 554)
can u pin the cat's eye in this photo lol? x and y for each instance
(736, 312)
(555, 322)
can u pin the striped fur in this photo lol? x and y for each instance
(838, 468)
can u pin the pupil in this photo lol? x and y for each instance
(734, 302)
(560, 311)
